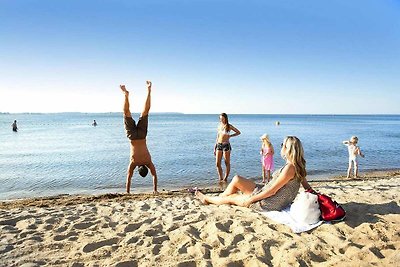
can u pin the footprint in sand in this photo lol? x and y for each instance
(24, 234)
(6, 248)
(237, 239)
(96, 245)
(152, 232)
(183, 248)
(178, 218)
(160, 239)
(62, 237)
(51, 221)
(83, 225)
(127, 264)
(134, 226)
(61, 229)
(156, 249)
(145, 207)
(132, 240)
(72, 218)
(187, 264)
(224, 226)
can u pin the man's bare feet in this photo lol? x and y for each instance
(123, 89)
(148, 83)
(200, 196)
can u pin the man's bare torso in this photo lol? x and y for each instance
(139, 153)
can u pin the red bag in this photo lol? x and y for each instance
(330, 209)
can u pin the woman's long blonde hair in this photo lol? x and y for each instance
(294, 153)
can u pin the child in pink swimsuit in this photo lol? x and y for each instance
(267, 157)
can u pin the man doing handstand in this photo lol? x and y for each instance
(137, 133)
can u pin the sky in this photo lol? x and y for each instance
(203, 56)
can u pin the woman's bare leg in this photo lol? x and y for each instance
(235, 199)
(218, 158)
(239, 183)
(227, 159)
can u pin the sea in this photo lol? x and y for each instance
(62, 153)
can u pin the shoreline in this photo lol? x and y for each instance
(65, 198)
(175, 229)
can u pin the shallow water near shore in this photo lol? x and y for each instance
(63, 154)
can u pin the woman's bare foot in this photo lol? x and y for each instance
(200, 196)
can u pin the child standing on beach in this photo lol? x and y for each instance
(267, 157)
(354, 151)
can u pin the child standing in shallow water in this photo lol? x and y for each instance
(267, 158)
(354, 151)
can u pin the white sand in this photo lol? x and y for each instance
(177, 230)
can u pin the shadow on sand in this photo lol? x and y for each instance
(358, 213)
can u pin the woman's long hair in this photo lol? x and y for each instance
(227, 126)
(294, 153)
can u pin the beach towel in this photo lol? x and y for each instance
(284, 217)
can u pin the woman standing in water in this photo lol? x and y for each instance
(223, 146)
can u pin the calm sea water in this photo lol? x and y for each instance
(63, 154)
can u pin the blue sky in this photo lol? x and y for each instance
(286, 57)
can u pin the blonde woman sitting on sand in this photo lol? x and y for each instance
(277, 194)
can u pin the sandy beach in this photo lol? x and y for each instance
(175, 229)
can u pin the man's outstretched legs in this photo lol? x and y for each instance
(147, 104)
(127, 112)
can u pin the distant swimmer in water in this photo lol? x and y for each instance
(137, 132)
(94, 123)
(14, 126)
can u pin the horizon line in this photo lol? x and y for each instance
(183, 113)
